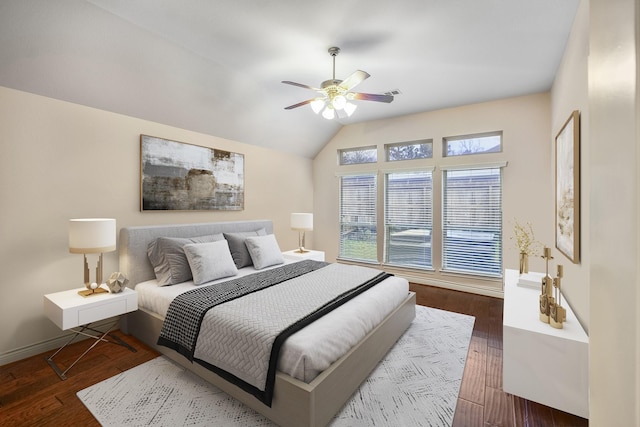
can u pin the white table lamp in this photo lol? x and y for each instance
(301, 222)
(92, 236)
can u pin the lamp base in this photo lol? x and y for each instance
(88, 292)
(301, 251)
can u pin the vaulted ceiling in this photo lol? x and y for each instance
(216, 66)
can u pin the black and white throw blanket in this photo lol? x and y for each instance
(237, 328)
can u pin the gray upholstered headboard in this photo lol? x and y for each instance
(134, 262)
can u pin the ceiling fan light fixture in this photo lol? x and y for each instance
(349, 108)
(329, 113)
(339, 102)
(317, 105)
(335, 94)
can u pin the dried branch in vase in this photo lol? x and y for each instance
(525, 238)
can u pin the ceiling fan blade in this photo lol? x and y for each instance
(371, 97)
(299, 104)
(301, 85)
(354, 79)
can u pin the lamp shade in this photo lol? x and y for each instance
(302, 221)
(92, 235)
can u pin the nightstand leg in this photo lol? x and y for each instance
(62, 374)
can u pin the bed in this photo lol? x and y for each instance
(295, 402)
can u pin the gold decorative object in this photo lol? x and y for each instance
(546, 295)
(117, 282)
(557, 313)
(524, 263)
(92, 289)
(525, 242)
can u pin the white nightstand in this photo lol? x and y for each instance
(70, 311)
(295, 255)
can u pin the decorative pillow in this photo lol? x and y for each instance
(264, 251)
(238, 249)
(210, 261)
(168, 259)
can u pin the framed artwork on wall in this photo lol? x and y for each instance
(180, 176)
(568, 188)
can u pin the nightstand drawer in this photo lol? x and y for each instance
(103, 311)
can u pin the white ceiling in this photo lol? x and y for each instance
(216, 66)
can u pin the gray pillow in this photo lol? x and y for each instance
(210, 261)
(264, 251)
(238, 249)
(168, 259)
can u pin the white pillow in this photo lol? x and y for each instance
(264, 251)
(210, 261)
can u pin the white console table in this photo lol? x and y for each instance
(541, 363)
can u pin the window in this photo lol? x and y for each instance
(408, 218)
(354, 156)
(462, 194)
(473, 144)
(358, 238)
(472, 221)
(409, 150)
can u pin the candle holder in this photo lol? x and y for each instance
(546, 293)
(557, 313)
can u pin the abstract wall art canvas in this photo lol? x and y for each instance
(568, 188)
(180, 176)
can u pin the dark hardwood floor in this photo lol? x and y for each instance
(31, 394)
(481, 401)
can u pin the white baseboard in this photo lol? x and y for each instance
(42, 347)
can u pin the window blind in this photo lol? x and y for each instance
(472, 221)
(358, 238)
(408, 218)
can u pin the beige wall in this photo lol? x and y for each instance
(599, 76)
(60, 160)
(569, 93)
(527, 192)
(614, 226)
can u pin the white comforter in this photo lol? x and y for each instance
(313, 349)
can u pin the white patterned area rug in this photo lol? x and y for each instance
(416, 384)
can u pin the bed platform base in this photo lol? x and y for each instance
(295, 402)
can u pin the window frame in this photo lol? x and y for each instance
(438, 163)
(342, 151)
(497, 272)
(346, 255)
(409, 239)
(428, 141)
(447, 139)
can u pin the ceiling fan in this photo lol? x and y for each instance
(334, 95)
